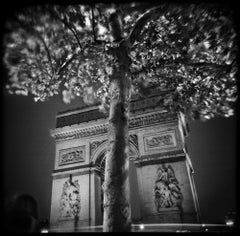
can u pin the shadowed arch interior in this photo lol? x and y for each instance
(98, 160)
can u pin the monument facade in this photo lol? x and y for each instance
(162, 188)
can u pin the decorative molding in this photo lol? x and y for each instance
(131, 152)
(150, 119)
(93, 113)
(133, 139)
(85, 172)
(135, 122)
(147, 103)
(80, 117)
(79, 133)
(133, 146)
(75, 171)
(158, 158)
(114, 94)
(159, 141)
(94, 145)
(72, 155)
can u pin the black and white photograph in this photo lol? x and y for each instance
(120, 116)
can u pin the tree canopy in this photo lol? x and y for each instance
(187, 49)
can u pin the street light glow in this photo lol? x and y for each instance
(229, 222)
(141, 226)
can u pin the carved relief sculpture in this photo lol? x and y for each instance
(70, 199)
(167, 191)
(72, 155)
(94, 145)
(134, 140)
(159, 141)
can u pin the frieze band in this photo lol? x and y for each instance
(101, 129)
(95, 114)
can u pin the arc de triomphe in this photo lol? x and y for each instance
(161, 174)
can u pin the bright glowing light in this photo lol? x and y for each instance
(203, 225)
(229, 222)
(141, 227)
(44, 231)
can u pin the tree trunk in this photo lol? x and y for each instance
(117, 216)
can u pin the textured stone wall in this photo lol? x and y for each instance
(57, 191)
(168, 213)
(160, 183)
(162, 152)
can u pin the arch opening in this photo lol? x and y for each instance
(99, 160)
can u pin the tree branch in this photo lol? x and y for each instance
(93, 24)
(186, 63)
(74, 56)
(42, 68)
(73, 32)
(145, 70)
(126, 9)
(115, 24)
(65, 64)
(38, 35)
(209, 64)
(48, 53)
(150, 14)
(64, 21)
(159, 10)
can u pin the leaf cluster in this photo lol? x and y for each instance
(188, 50)
(192, 52)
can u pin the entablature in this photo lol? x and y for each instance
(93, 113)
(100, 126)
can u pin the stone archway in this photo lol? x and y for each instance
(98, 159)
(100, 165)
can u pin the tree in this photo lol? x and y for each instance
(109, 53)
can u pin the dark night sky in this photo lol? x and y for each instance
(29, 155)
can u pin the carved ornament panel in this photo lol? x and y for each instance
(159, 141)
(72, 155)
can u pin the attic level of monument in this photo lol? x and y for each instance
(89, 121)
(88, 113)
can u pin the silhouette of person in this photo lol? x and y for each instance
(22, 214)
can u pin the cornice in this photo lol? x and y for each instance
(92, 113)
(79, 132)
(92, 129)
(168, 157)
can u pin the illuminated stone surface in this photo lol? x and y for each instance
(161, 181)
